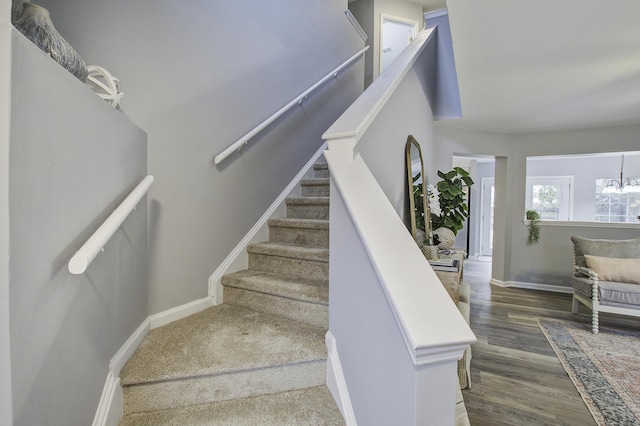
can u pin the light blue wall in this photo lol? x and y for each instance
(447, 92)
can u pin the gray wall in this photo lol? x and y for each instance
(368, 13)
(550, 261)
(363, 11)
(6, 415)
(585, 171)
(73, 160)
(197, 77)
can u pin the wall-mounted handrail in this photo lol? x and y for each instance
(95, 244)
(243, 140)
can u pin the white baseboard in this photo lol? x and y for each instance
(111, 404)
(124, 353)
(532, 286)
(237, 259)
(336, 381)
(179, 312)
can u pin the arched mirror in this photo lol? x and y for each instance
(418, 205)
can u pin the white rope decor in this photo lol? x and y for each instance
(105, 85)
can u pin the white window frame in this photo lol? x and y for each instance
(563, 181)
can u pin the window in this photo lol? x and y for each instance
(546, 201)
(550, 196)
(618, 207)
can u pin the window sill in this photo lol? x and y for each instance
(564, 224)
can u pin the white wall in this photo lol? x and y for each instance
(73, 159)
(197, 77)
(6, 413)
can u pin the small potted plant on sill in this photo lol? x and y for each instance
(534, 227)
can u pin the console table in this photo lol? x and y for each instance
(451, 280)
(460, 294)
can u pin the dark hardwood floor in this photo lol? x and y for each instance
(516, 378)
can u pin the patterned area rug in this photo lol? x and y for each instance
(605, 368)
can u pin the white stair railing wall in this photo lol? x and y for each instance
(395, 335)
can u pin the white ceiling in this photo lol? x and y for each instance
(546, 64)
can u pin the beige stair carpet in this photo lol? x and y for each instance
(306, 407)
(260, 358)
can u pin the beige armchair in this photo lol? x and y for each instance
(606, 276)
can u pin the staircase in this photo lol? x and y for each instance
(259, 358)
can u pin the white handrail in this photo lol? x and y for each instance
(95, 244)
(243, 140)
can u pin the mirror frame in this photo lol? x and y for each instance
(411, 141)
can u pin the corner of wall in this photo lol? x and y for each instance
(6, 416)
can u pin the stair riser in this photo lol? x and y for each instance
(310, 313)
(308, 211)
(315, 190)
(201, 390)
(321, 173)
(298, 268)
(299, 236)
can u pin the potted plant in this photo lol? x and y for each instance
(534, 227)
(452, 199)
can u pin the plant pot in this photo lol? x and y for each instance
(34, 22)
(431, 252)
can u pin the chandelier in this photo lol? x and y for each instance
(615, 186)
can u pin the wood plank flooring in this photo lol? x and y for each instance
(516, 378)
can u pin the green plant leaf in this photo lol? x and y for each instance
(455, 190)
(461, 171)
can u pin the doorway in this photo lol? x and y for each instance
(487, 197)
(395, 34)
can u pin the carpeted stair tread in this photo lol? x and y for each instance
(308, 290)
(319, 201)
(308, 207)
(300, 223)
(221, 339)
(315, 187)
(316, 254)
(315, 181)
(300, 232)
(321, 170)
(311, 406)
